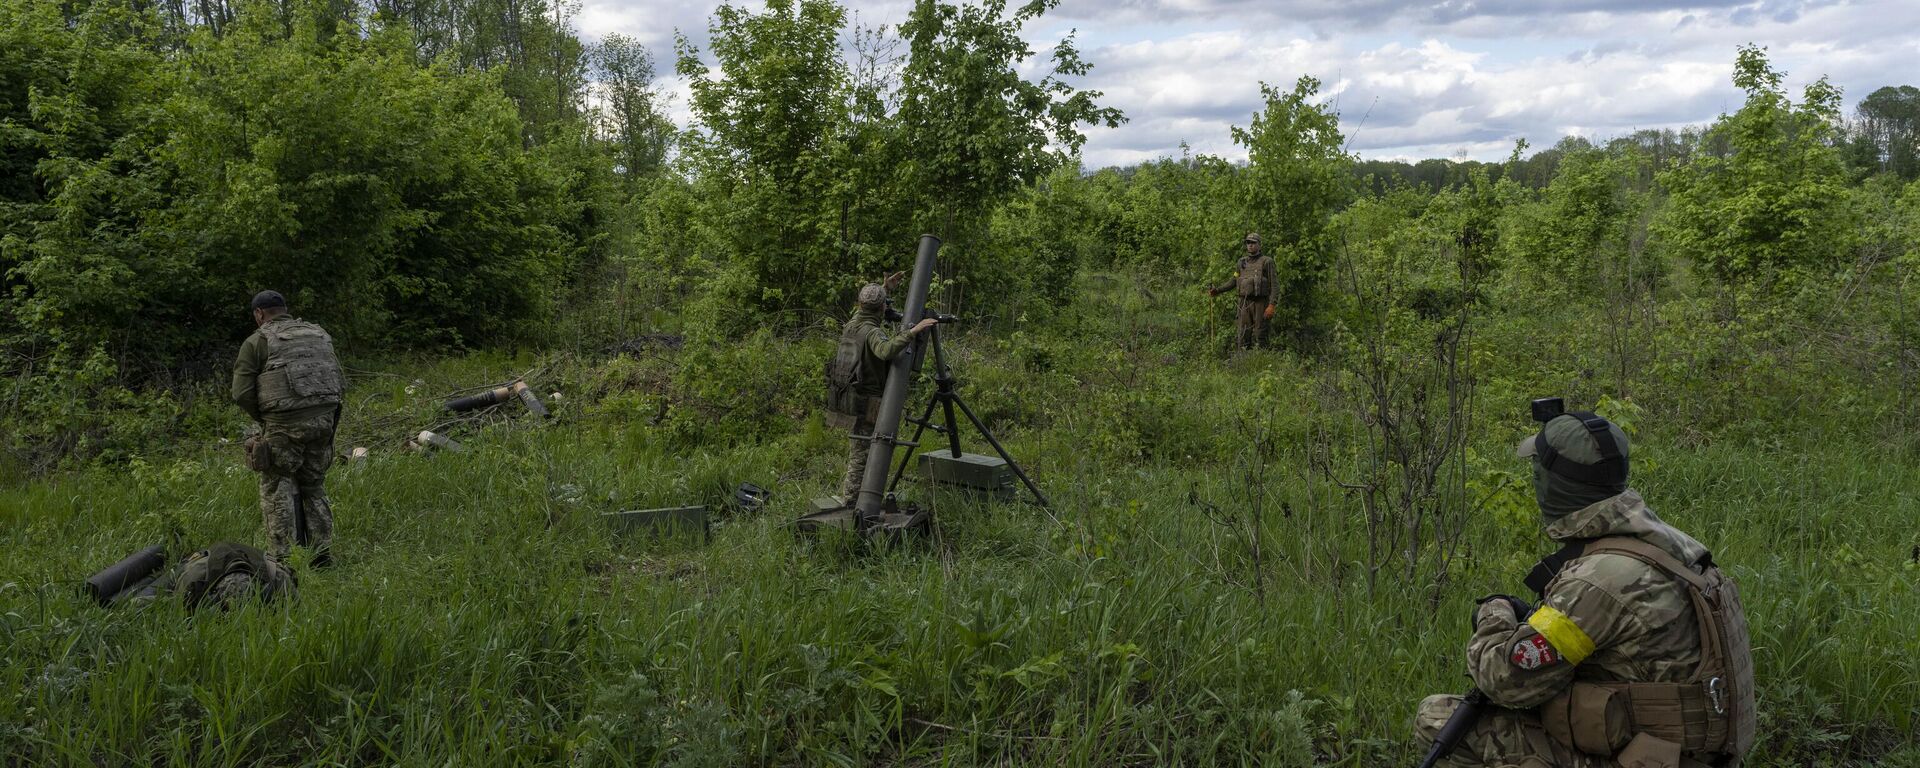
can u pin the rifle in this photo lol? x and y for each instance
(1458, 726)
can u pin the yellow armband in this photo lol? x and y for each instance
(1567, 637)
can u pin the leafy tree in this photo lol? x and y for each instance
(80, 124)
(824, 166)
(1402, 371)
(975, 130)
(1769, 208)
(873, 212)
(1296, 178)
(765, 144)
(631, 120)
(1168, 219)
(1585, 244)
(1590, 217)
(395, 203)
(399, 196)
(1887, 131)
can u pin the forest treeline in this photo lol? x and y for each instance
(442, 174)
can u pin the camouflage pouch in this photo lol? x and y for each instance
(256, 451)
(1648, 751)
(1590, 718)
(837, 420)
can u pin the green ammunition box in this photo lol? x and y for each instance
(673, 521)
(970, 471)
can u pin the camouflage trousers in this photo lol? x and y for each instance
(295, 472)
(1503, 739)
(858, 448)
(1251, 324)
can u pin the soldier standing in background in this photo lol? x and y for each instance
(857, 374)
(288, 380)
(1637, 654)
(1254, 283)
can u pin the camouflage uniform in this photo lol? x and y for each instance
(294, 449)
(1254, 281)
(878, 345)
(1627, 621)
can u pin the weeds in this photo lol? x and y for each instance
(1200, 599)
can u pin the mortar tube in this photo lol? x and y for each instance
(893, 399)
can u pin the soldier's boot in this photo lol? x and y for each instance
(319, 518)
(276, 509)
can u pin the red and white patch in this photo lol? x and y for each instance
(1534, 652)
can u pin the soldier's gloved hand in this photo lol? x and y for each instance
(1493, 605)
(1213, 291)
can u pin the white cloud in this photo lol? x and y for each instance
(1414, 79)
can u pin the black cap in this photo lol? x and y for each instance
(269, 300)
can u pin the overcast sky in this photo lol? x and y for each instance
(1454, 78)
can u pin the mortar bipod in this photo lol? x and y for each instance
(946, 395)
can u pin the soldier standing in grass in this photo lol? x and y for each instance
(1637, 655)
(288, 380)
(857, 374)
(1254, 283)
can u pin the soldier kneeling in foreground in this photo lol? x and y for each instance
(1637, 655)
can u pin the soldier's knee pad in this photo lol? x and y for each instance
(1433, 713)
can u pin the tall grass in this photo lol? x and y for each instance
(483, 614)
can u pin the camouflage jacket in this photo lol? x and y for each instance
(882, 346)
(1605, 617)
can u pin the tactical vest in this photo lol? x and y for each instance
(301, 370)
(1709, 714)
(850, 382)
(207, 567)
(1251, 283)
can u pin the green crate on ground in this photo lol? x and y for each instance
(970, 471)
